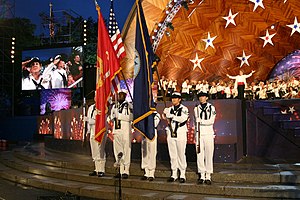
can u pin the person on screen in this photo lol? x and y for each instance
(34, 80)
(75, 67)
(59, 75)
(97, 149)
(205, 114)
(177, 116)
(71, 81)
(121, 117)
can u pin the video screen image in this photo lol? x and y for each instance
(52, 68)
(54, 100)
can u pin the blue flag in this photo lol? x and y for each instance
(143, 105)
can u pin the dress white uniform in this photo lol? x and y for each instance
(29, 83)
(149, 150)
(97, 149)
(59, 78)
(178, 116)
(205, 115)
(121, 115)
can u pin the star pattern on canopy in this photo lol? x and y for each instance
(230, 18)
(295, 27)
(257, 3)
(292, 109)
(268, 38)
(197, 62)
(209, 41)
(244, 59)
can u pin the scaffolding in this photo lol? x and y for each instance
(7, 33)
(60, 26)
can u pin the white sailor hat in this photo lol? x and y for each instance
(176, 95)
(201, 94)
(123, 91)
(33, 60)
(57, 57)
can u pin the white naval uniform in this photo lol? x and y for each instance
(177, 144)
(97, 149)
(29, 83)
(58, 76)
(149, 150)
(205, 118)
(121, 114)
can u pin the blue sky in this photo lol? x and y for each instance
(86, 8)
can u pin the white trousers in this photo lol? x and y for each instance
(149, 151)
(177, 156)
(122, 143)
(205, 157)
(98, 153)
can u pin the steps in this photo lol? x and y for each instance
(272, 113)
(36, 166)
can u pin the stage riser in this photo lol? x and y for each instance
(76, 181)
(224, 153)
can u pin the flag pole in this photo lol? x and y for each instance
(163, 91)
(126, 85)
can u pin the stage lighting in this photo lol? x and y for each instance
(84, 32)
(12, 52)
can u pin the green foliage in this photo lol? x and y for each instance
(20, 28)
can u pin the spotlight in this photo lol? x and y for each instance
(84, 32)
(12, 52)
(273, 26)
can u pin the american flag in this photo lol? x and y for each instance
(116, 39)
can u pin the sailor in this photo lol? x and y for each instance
(205, 114)
(177, 116)
(97, 149)
(149, 151)
(121, 118)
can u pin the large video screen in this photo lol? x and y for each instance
(55, 100)
(52, 68)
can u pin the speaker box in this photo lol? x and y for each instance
(89, 80)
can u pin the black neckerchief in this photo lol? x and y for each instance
(203, 110)
(38, 85)
(203, 105)
(176, 107)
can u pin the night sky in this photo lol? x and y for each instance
(86, 8)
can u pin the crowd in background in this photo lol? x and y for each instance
(275, 89)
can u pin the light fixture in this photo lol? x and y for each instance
(84, 32)
(12, 52)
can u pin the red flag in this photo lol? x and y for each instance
(108, 66)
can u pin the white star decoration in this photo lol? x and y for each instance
(209, 41)
(230, 18)
(257, 3)
(244, 59)
(295, 27)
(268, 38)
(197, 62)
(292, 109)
